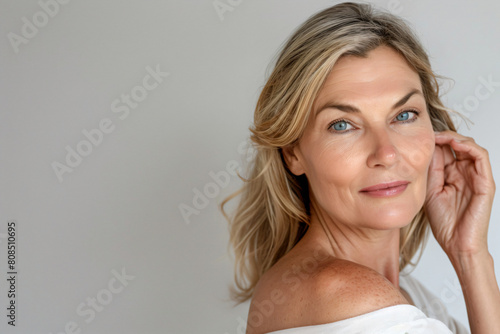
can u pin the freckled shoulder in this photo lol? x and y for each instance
(304, 291)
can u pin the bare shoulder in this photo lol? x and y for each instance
(312, 289)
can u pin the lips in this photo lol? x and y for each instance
(384, 186)
(384, 190)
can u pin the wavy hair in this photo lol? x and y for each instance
(274, 207)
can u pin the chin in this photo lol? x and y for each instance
(390, 219)
(395, 213)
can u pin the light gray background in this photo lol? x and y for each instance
(119, 209)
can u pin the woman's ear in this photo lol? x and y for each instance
(291, 155)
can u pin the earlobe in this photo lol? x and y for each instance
(292, 160)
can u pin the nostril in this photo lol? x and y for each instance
(383, 155)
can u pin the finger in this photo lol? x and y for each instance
(465, 148)
(448, 154)
(452, 135)
(435, 176)
(449, 138)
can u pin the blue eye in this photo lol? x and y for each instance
(403, 116)
(406, 116)
(340, 126)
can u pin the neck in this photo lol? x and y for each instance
(375, 249)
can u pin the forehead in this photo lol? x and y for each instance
(383, 72)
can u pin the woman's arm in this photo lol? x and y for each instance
(459, 201)
(480, 288)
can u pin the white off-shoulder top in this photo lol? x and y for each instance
(398, 319)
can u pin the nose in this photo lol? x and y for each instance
(383, 151)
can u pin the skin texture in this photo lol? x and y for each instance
(375, 148)
(359, 269)
(356, 270)
(459, 201)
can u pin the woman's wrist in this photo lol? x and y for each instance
(476, 273)
(469, 264)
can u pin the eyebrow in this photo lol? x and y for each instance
(352, 109)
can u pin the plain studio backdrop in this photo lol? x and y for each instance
(122, 125)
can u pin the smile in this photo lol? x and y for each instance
(386, 189)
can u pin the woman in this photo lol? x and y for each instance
(356, 158)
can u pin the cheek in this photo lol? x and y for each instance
(331, 159)
(417, 151)
(415, 165)
(333, 168)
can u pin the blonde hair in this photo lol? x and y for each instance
(273, 211)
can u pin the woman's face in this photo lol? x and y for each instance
(369, 127)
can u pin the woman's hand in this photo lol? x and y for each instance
(460, 193)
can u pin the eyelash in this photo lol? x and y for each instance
(416, 113)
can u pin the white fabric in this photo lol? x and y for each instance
(399, 319)
(430, 305)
